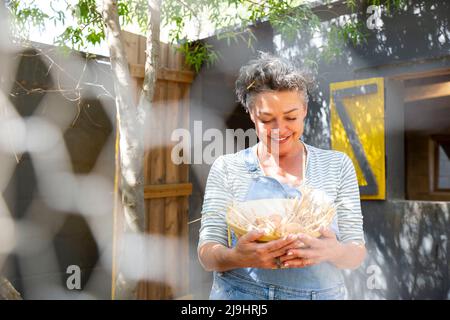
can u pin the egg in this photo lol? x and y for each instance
(293, 227)
(276, 220)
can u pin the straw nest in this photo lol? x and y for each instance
(305, 215)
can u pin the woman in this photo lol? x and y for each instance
(274, 93)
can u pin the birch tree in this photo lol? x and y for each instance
(130, 123)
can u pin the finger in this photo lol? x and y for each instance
(298, 263)
(308, 262)
(295, 245)
(275, 245)
(299, 253)
(279, 253)
(327, 232)
(276, 264)
(252, 236)
(272, 263)
(308, 240)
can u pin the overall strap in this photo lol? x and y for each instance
(250, 160)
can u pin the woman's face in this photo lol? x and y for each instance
(279, 119)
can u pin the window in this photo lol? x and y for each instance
(427, 138)
(442, 164)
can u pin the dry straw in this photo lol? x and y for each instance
(305, 215)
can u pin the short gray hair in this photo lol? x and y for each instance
(269, 73)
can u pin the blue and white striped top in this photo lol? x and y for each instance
(331, 171)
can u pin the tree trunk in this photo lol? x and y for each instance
(147, 94)
(7, 291)
(152, 51)
(131, 146)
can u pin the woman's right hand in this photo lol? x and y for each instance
(250, 253)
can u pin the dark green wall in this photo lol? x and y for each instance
(406, 240)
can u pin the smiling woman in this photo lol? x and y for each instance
(274, 93)
(279, 122)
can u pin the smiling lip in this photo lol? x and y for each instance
(282, 140)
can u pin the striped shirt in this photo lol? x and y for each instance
(331, 171)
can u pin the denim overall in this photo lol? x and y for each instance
(322, 281)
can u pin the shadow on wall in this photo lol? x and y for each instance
(408, 250)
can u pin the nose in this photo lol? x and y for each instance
(279, 128)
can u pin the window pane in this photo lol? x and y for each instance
(444, 166)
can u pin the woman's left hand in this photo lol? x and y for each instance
(314, 250)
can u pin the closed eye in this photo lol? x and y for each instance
(267, 121)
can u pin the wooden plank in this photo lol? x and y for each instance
(142, 42)
(157, 172)
(131, 44)
(184, 176)
(183, 203)
(137, 70)
(172, 176)
(152, 219)
(174, 75)
(143, 288)
(419, 75)
(165, 290)
(167, 190)
(429, 91)
(164, 53)
(154, 156)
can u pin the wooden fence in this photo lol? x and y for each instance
(167, 184)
